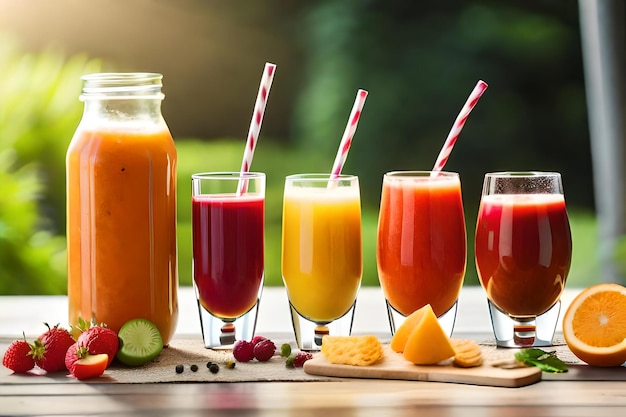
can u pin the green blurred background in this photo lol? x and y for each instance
(418, 61)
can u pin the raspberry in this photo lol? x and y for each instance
(297, 360)
(264, 350)
(243, 351)
(301, 357)
(257, 339)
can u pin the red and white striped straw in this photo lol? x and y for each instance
(348, 133)
(444, 154)
(257, 120)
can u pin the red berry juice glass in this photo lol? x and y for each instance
(523, 250)
(228, 222)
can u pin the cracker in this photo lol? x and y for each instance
(352, 350)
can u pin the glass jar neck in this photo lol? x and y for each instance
(122, 96)
(122, 86)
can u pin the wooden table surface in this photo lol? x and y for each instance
(353, 397)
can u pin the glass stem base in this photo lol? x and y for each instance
(515, 332)
(309, 333)
(220, 333)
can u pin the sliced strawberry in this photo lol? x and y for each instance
(73, 354)
(91, 366)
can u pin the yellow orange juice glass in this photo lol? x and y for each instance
(422, 248)
(322, 261)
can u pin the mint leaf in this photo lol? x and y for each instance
(546, 361)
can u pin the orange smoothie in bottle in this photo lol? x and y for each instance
(321, 250)
(121, 230)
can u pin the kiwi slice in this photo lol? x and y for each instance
(140, 342)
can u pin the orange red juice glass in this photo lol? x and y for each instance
(121, 200)
(322, 260)
(421, 244)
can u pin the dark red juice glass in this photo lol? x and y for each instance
(228, 217)
(523, 251)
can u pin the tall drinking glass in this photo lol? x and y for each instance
(523, 254)
(321, 254)
(228, 210)
(422, 244)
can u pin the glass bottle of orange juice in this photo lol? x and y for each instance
(121, 205)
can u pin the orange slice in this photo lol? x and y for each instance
(399, 338)
(428, 343)
(594, 325)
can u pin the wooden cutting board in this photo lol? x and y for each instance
(394, 366)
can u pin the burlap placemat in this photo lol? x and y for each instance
(559, 346)
(184, 352)
(577, 369)
(188, 352)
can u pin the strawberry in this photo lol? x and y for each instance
(18, 358)
(83, 365)
(100, 339)
(50, 348)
